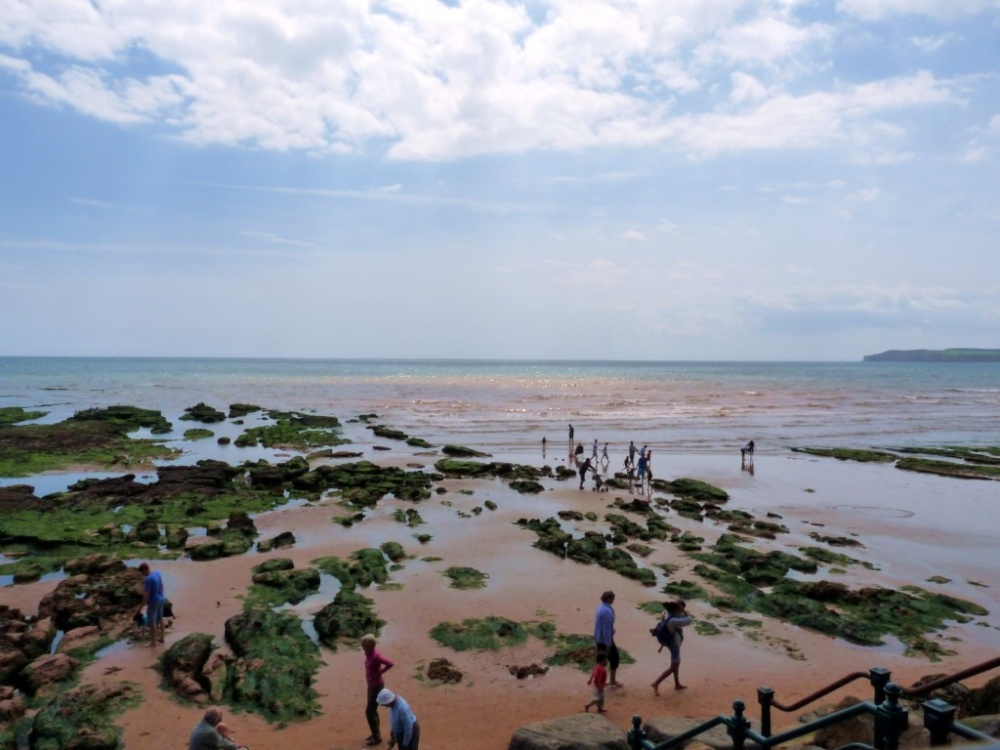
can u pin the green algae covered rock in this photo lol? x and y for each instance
(276, 665)
(350, 615)
(83, 718)
(695, 489)
(850, 454)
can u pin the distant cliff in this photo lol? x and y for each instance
(935, 355)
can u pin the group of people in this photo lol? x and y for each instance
(211, 733)
(638, 472)
(669, 632)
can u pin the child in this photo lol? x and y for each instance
(675, 618)
(598, 678)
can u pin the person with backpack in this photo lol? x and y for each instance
(669, 632)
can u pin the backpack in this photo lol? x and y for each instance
(662, 633)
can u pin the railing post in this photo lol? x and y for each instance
(939, 716)
(890, 720)
(879, 677)
(635, 735)
(737, 725)
(765, 697)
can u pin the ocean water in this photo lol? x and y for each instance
(694, 407)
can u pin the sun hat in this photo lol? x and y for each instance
(385, 697)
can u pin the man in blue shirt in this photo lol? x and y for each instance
(152, 600)
(403, 726)
(604, 634)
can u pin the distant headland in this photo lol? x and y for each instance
(935, 355)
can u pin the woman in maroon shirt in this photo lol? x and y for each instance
(376, 665)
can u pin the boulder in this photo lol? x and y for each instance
(661, 730)
(862, 729)
(182, 666)
(11, 708)
(47, 670)
(583, 731)
(78, 637)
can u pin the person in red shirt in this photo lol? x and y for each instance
(598, 678)
(376, 665)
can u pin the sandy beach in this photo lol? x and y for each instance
(907, 534)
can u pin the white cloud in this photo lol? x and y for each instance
(633, 234)
(425, 80)
(814, 120)
(874, 10)
(865, 196)
(931, 43)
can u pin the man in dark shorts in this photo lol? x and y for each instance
(604, 634)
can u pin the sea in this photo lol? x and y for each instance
(695, 407)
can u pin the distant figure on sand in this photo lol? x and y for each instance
(594, 452)
(571, 433)
(584, 468)
(631, 451)
(669, 632)
(747, 450)
(604, 633)
(579, 451)
(598, 678)
(604, 454)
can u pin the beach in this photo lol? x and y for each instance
(909, 528)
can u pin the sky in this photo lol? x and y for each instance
(546, 179)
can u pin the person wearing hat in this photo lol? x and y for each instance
(403, 727)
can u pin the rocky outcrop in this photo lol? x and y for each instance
(578, 732)
(661, 730)
(44, 673)
(183, 664)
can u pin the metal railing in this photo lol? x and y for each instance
(891, 719)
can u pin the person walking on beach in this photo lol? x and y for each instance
(403, 727)
(376, 665)
(631, 451)
(598, 678)
(641, 470)
(669, 632)
(152, 600)
(747, 450)
(594, 452)
(571, 434)
(212, 734)
(604, 455)
(604, 634)
(584, 468)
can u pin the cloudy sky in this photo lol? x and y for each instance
(594, 179)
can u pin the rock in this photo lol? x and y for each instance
(11, 709)
(982, 701)
(661, 730)
(97, 564)
(284, 539)
(12, 660)
(47, 670)
(582, 731)
(78, 637)
(988, 724)
(532, 670)
(862, 729)
(214, 675)
(183, 663)
(443, 670)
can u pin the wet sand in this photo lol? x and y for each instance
(911, 527)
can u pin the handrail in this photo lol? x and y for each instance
(918, 689)
(891, 719)
(877, 676)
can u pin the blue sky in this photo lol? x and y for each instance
(640, 179)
